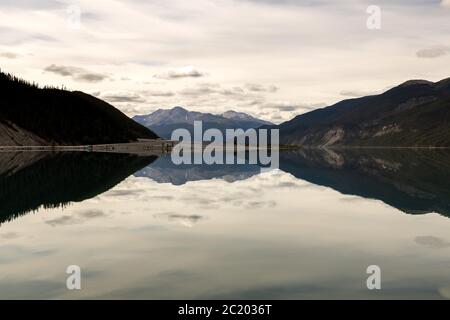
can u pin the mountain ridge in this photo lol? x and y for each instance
(30, 115)
(415, 113)
(164, 121)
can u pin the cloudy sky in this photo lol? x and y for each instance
(271, 58)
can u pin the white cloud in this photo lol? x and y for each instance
(245, 48)
(260, 88)
(288, 106)
(434, 52)
(198, 90)
(357, 93)
(185, 72)
(160, 93)
(9, 55)
(76, 73)
(122, 97)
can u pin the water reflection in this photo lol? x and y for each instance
(164, 170)
(29, 180)
(308, 230)
(413, 181)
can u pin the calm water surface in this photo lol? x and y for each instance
(141, 227)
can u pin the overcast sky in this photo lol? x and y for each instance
(272, 59)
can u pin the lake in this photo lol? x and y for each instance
(140, 227)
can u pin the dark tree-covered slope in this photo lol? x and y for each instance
(37, 116)
(415, 113)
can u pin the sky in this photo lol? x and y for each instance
(271, 59)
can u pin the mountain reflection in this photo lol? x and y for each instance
(30, 180)
(163, 170)
(413, 181)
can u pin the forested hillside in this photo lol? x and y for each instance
(30, 115)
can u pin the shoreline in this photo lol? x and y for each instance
(138, 147)
(377, 147)
(165, 146)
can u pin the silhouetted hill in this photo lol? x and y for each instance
(416, 113)
(30, 115)
(163, 122)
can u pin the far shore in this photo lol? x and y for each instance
(140, 147)
(160, 146)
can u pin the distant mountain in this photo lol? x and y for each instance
(241, 116)
(164, 121)
(415, 113)
(30, 115)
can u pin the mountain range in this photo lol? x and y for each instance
(164, 121)
(413, 114)
(32, 116)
